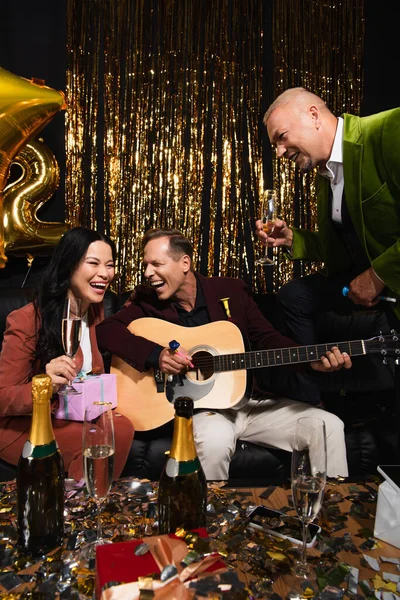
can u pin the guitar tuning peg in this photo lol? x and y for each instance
(384, 361)
(397, 361)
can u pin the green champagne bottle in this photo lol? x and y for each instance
(40, 478)
(182, 491)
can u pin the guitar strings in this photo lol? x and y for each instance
(275, 357)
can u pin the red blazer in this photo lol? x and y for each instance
(17, 367)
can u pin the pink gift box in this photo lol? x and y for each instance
(94, 388)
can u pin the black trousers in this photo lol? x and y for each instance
(300, 301)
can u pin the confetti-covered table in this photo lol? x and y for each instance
(348, 558)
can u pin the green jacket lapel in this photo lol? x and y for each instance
(352, 168)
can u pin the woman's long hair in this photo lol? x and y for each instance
(54, 285)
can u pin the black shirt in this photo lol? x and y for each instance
(197, 316)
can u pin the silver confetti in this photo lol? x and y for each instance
(391, 577)
(142, 549)
(372, 562)
(389, 596)
(390, 559)
(352, 580)
(168, 572)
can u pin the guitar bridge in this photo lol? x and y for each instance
(159, 379)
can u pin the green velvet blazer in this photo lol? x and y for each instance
(371, 166)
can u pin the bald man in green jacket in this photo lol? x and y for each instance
(358, 208)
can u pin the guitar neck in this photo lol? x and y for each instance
(283, 356)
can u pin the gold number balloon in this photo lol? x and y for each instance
(25, 108)
(22, 199)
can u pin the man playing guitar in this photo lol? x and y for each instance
(182, 298)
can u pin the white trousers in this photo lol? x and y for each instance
(268, 422)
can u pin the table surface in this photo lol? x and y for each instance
(130, 513)
(354, 524)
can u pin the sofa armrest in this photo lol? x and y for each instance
(11, 299)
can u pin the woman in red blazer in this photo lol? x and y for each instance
(82, 264)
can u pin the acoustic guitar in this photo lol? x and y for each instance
(219, 378)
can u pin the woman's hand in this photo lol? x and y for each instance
(62, 370)
(333, 361)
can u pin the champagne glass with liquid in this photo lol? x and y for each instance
(268, 216)
(71, 334)
(308, 478)
(98, 448)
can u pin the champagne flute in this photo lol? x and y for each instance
(71, 334)
(308, 478)
(98, 448)
(268, 216)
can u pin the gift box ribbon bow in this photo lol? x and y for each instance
(167, 552)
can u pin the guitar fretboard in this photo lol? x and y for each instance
(283, 356)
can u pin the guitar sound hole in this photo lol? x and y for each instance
(203, 366)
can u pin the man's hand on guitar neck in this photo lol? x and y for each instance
(333, 361)
(172, 362)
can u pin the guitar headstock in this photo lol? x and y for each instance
(386, 345)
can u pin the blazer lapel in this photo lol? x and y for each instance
(214, 305)
(96, 315)
(324, 204)
(352, 155)
(352, 165)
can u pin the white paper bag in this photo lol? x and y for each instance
(387, 520)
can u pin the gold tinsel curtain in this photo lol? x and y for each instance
(319, 46)
(178, 110)
(83, 47)
(165, 111)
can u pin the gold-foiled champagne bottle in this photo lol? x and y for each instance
(40, 478)
(182, 492)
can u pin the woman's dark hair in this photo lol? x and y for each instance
(53, 287)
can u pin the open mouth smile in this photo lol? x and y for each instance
(156, 284)
(98, 286)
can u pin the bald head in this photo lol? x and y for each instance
(301, 127)
(297, 97)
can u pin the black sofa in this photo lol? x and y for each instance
(362, 396)
(146, 459)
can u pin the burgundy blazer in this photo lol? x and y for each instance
(113, 335)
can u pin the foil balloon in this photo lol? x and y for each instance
(22, 199)
(25, 108)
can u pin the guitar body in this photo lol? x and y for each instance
(147, 408)
(219, 378)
